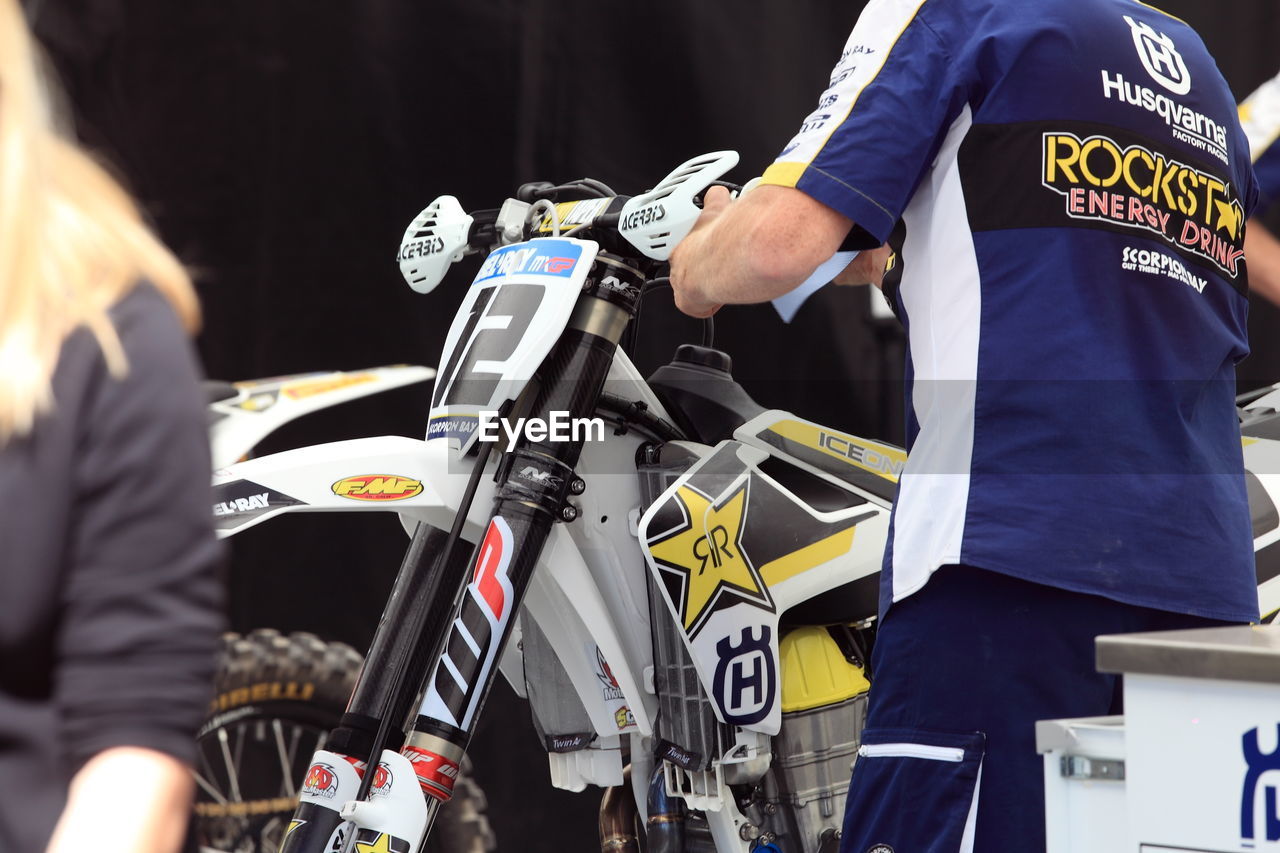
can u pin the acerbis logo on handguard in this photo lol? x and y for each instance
(642, 217)
(421, 248)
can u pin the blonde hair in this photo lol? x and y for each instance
(72, 242)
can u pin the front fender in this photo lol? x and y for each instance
(421, 480)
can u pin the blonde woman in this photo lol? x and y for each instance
(109, 608)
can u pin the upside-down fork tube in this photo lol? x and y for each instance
(422, 595)
(537, 479)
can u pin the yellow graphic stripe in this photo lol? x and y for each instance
(811, 556)
(808, 435)
(800, 167)
(783, 174)
(1245, 442)
(1161, 11)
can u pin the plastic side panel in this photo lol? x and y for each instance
(1262, 460)
(264, 405)
(510, 319)
(731, 550)
(567, 604)
(868, 468)
(389, 473)
(625, 381)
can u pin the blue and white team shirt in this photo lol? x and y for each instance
(1260, 117)
(1074, 184)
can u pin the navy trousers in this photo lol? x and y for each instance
(961, 672)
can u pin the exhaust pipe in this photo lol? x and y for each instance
(665, 827)
(618, 818)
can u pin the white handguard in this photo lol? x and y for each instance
(436, 238)
(656, 221)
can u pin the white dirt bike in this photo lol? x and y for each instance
(682, 582)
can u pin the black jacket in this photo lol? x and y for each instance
(109, 605)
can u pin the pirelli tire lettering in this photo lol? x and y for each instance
(1135, 186)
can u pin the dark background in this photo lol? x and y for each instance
(281, 147)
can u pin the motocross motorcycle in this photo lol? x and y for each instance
(686, 597)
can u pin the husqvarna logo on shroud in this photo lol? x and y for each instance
(1263, 775)
(1160, 57)
(746, 680)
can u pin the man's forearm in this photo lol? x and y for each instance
(755, 249)
(1262, 252)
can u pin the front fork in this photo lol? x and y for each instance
(459, 657)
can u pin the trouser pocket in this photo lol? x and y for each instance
(913, 791)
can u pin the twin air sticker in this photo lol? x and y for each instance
(476, 636)
(377, 487)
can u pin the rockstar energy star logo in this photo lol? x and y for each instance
(1135, 187)
(377, 487)
(708, 552)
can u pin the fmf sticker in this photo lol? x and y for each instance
(321, 781)
(539, 257)
(377, 487)
(321, 386)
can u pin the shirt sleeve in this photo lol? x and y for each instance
(142, 606)
(891, 99)
(1260, 118)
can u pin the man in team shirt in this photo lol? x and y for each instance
(1074, 185)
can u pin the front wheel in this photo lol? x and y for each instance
(276, 698)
